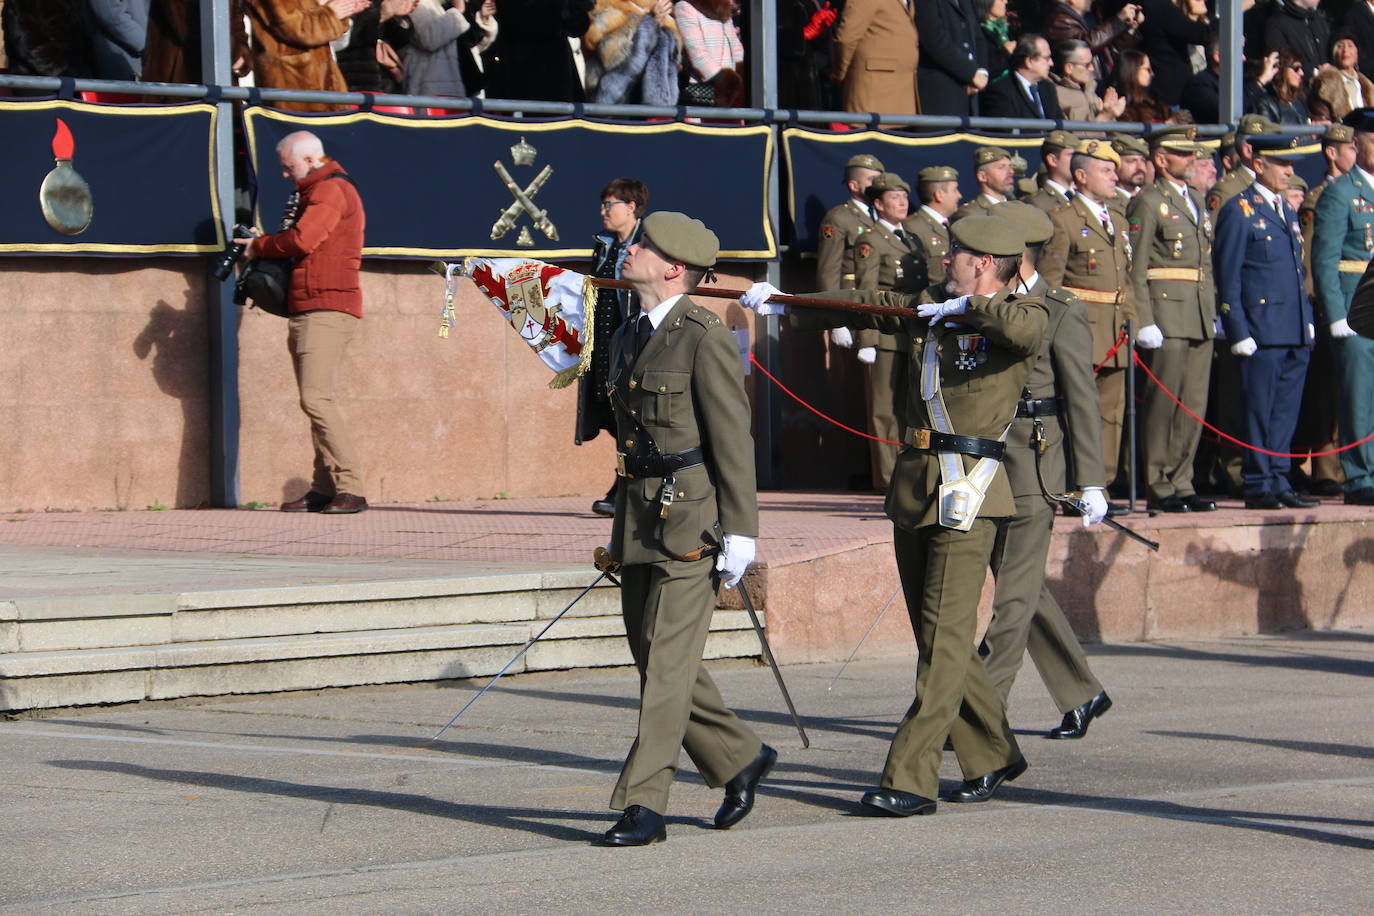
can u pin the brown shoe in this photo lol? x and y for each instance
(310, 502)
(344, 504)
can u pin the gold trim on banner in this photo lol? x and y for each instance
(150, 111)
(523, 128)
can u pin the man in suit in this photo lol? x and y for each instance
(1026, 91)
(1172, 278)
(949, 75)
(1056, 185)
(842, 226)
(875, 56)
(685, 521)
(996, 177)
(1343, 243)
(1257, 261)
(971, 355)
(1089, 255)
(937, 188)
(1055, 438)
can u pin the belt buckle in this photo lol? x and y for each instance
(920, 438)
(620, 466)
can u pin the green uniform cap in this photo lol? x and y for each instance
(1181, 138)
(988, 235)
(865, 161)
(1338, 133)
(985, 154)
(682, 238)
(937, 173)
(1126, 145)
(887, 181)
(1060, 139)
(1033, 222)
(1297, 183)
(1253, 124)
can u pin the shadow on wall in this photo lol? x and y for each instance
(1272, 571)
(176, 340)
(1084, 571)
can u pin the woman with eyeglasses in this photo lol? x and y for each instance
(623, 205)
(1285, 100)
(1134, 81)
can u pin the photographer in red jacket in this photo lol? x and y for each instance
(325, 304)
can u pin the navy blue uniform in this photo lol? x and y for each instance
(1257, 259)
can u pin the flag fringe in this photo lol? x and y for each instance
(566, 377)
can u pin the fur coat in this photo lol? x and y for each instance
(630, 57)
(291, 48)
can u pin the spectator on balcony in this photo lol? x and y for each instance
(171, 53)
(291, 45)
(1075, 87)
(1341, 86)
(805, 31)
(473, 47)
(45, 38)
(1299, 26)
(371, 61)
(1026, 91)
(1201, 95)
(1134, 79)
(875, 57)
(532, 58)
(632, 50)
(949, 75)
(431, 56)
(993, 44)
(1075, 19)
(117, 31)
(1283, 102)
(1359, 24)
(714, 51)
(1173, 35)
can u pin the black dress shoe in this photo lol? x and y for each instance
(1075, 724)
(638, 826)
(1116, 510)
(1263, 501)
(982, 788)
(896, 803)
(1171, 503)
(1200, 503)
(1294, 500)
(310, 502)
(604, 507)
(739, 792)
(344, 504)
(1361, 497)
(1324, 487)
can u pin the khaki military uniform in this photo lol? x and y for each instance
(1228, 186)
(1047, 198)
(884, 262)
(981, 205)
(1063, 401)
(1093, 265)
(1172, 280)
(840, 229)
(1321, 395)
(942, 570)
(686, 391)
(934, 238)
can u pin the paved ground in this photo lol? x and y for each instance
(1232, 776)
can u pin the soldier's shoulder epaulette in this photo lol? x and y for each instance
(1061, 209)
(703, 316)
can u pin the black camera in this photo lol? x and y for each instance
(225, 265)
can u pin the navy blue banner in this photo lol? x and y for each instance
(448, 187)
(131, 180)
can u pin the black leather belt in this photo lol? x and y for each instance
(635, 466)
(929, 440)
(1039, 407)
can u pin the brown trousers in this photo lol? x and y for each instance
(1169, 436)
(1111, 404)
(317, 341)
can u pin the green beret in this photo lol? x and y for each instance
(1060, 139)
(1181, 138)
(1297, 183)
(1033, 222)
(865, 161)
(937, 173)
(1126, 145)
(988, 235)
(985, 154)
(1338, 133)
(887, 181)
(682, 238)
(1252, 124)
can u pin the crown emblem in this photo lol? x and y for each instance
(523, 153)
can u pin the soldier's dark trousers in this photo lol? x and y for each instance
(667, 610)
(1357, 410)
(1271, 381)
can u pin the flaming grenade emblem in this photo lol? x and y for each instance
(65, 196)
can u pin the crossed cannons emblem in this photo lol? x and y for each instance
(523, 153)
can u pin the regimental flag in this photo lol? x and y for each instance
(546, 305)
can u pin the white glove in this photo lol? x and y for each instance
(1341, 329)
(1246, 347)
(842, 337)
(1311, 332)
(937, 310)
(1150, 337)
(756, 299)
(1095, 506)
(867, 355)
(736, 553)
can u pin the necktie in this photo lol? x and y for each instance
(1107, 224)
(644, 329)
(901, 237)
(1035, 97)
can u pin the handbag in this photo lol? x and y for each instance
(697, 95)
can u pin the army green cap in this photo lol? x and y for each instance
(985, 154)
(1181, 138)
(937, 173)
(1099, 149)
(1060, 139)
(1253, 124)
(1228, 141)
(887, 181)
(682, 238)
(1026, 187)
(1297, 183)
(1126, 145)
(1338, 133)
(1033, 222)
(988, 235)
(865, 161)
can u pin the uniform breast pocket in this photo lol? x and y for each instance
(670, 404)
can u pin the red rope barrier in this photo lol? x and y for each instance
(1232, 439)
(1120, 339)
(791, 394)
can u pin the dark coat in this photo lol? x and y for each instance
(612, 307)
(1105, 39)
(45, 38)
(947, 32)
(358, 61)
(1007, 98)
(1305, 31)
(1201, 95)
(1359, 22)
(1257, 259)
(1166, 36)
(531, 58)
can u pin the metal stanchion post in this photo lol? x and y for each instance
(1130, 413)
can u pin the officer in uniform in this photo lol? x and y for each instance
(1241, 176)
(887, 257)
(1131, 175)
(1056, 185)
(843, 225)
(1317, 420)
(1174, 294)
(1053, 446)
(971, 356)
(685, 520)
(1257, 260)
(1089, 255)
(996, 177)
(937, 188)
(1343, 243)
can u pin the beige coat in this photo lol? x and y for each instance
(875, 57)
